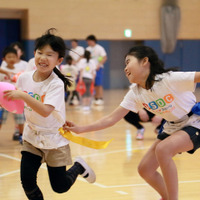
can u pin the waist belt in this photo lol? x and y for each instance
(190, 113)
(195, 110)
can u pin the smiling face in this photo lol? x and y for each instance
(46, 59)
(137, 71)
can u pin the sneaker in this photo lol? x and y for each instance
(99, 102)
(88, 174)
(16, 136)
(71, 103)
(140, 134)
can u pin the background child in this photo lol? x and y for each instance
(143, 115)
(20, 64)
(169, 95)
(10, 58)
(43, 93)
(71, 71)
(87, 68)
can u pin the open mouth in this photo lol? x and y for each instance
(43, 65)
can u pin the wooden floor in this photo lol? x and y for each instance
(115, 167)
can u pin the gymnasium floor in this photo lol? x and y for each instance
(115, 166)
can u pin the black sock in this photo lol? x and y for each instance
(75, 170)
(36, 194)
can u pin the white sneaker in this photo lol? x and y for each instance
(99, 102)
(88, 174)
(140, 134)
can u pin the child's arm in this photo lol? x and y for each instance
(197, 77)
(102, 123)
(5, 72)
(42, 109)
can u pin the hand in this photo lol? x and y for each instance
(98, 67)
(10, 75)
(70, 126)
(13, 94)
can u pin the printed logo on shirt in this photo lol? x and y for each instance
(161, 105)
(35, 96)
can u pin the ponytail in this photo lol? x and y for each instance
(65, 79)
(87, 55)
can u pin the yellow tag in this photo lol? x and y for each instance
(84, 141)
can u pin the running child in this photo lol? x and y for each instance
(42, 91)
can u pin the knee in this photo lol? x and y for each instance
(60, 188)
(162, 152)
(143, 170)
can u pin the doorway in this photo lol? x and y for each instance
(10, 31)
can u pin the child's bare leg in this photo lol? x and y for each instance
(165, 150)
(147, 170)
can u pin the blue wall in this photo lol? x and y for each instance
(7, 35)
(186, 56)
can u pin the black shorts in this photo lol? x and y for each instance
(194, 134)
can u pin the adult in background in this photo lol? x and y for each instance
(98, 53)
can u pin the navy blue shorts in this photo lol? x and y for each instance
(194, 134)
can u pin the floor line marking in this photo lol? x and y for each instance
(10, 157)
(81, 179)
(9, 173)
(121, 192)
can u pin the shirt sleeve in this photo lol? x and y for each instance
(182, 81)
(129, 102)
(102, 51)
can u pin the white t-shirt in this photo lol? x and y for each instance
(79, 52)
(171, 98)
(97, 53)
(89, 69)
(42, 132)
(69, 70)
(20, 66)
(4, 78)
